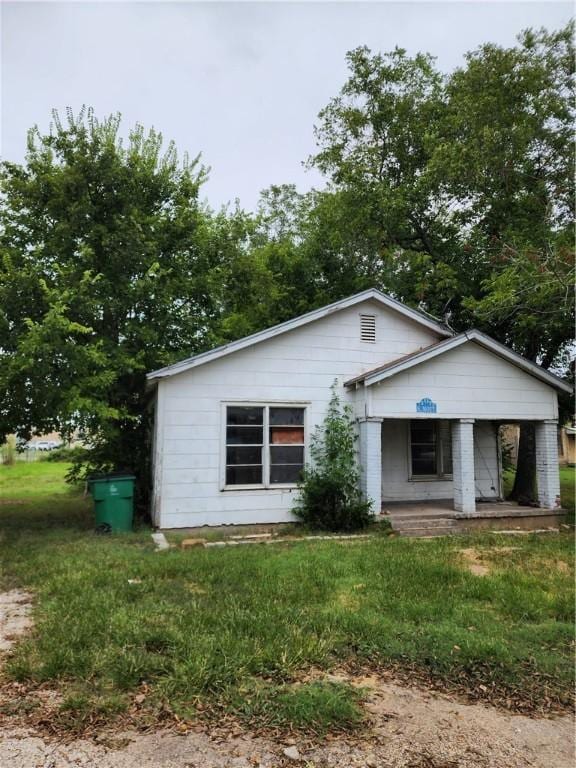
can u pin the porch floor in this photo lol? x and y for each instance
(445, 508)
(439, 518)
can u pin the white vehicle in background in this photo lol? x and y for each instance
(43, 445)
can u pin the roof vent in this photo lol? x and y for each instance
(368, 328)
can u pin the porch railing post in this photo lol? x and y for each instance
(370, 455)
(463, 466)
(547, 470)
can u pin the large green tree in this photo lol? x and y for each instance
(457, 192)
(109, 268)
(508, 159)
(384, 218)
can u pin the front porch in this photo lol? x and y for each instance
(439, 518)
(450, 471)
(428, 428)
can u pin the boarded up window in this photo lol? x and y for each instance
(286, 445)
(368, 328)
(279, 435)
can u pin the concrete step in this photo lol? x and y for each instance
(424, 532)
(403, 524)
(507, 511)
(423, 527)
(409, 515)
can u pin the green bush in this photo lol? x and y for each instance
(330, 496)
(67, 454)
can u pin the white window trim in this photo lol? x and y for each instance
(438, 478)
(266, 404)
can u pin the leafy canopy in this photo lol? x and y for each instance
(107, 264)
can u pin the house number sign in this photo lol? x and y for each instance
(426, 406)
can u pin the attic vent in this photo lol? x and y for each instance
(368, 328)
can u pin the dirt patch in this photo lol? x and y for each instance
(562, 567)
(409, 728)
(349, 598)
(432, 730)
(473, 561)
(15, 616)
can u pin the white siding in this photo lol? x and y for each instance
(396, 483)
(297, 367)
(468, 381)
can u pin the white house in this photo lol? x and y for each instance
(233, 424)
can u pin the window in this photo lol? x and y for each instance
(286, 429)
(244, 445)
(430, 449)
(368, 328)
(264, 445)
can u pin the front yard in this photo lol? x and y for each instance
(253, 631)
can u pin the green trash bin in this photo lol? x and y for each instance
(113, 496)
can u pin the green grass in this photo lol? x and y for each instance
(234, 628)
(567, 487)
(34, 495)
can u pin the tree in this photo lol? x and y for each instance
(290, 259)
(376, 142)
(508, 159)
(107, 266)
(457, 193)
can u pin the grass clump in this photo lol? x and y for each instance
(317, 706)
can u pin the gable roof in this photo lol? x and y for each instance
(372, 293)
(382, 372)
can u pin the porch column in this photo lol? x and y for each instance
(370, 445)
(463, 466)
(547, 471)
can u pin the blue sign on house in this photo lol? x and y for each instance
(426, 406)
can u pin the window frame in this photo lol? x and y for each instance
(439, 476)
(266, 485)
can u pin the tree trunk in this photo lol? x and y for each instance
(524, 490)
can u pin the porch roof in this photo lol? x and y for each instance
(391, 368)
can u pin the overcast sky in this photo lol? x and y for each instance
(242, 82)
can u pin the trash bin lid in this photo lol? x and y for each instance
(110, 477)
